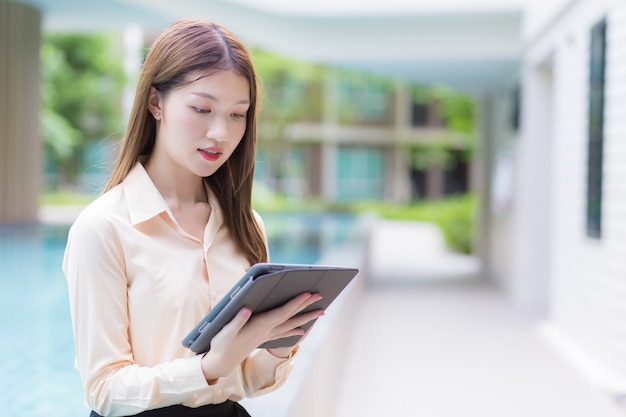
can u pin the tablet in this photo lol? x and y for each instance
(266, 286)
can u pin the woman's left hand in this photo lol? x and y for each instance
(244, 333)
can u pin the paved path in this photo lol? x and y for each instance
(455, 350)
(452, 347)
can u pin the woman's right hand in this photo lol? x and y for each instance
(244, 333)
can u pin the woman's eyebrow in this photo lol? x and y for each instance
(212, 97)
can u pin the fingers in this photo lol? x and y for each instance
(297, 331)
(282, 319)
(303, 325)
(246, 332)
(239, 321)
(296, 305)
(304, 318)
(290, 315)
(295, 326)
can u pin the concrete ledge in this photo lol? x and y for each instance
(52, 214)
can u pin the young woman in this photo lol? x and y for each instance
(172, 233)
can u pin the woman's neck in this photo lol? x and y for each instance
(182, 188)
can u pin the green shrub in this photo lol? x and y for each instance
(65, 198)
(454, 215)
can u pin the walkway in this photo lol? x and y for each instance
(452, 347)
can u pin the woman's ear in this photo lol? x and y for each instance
(155, 103)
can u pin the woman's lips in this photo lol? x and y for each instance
(210, 154)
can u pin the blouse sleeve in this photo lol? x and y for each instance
(94, 267)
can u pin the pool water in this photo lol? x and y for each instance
(37, 374)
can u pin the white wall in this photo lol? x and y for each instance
(587, 277)
(539, 13)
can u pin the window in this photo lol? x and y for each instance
(456, 174)
(364, 100)
(419, 114)
(596, 129)
(516, 100)
(360, 174)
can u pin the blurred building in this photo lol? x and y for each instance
(549, 79)
(361, 143)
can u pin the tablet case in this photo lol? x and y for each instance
(266, 286)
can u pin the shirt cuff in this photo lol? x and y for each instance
(188, 375)
(269, 364)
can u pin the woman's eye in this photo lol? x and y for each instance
(201, 110)
(239, 115)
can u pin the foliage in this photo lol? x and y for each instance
(363, 98)
(290, 88)
(59, 136)
(425, 155)
(82, 81)
(65, 198)
(290, 93)
(267, 201)
(454, 215)
(457, 111)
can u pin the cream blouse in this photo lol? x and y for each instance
(138, 283)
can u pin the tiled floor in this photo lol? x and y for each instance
(457, 349)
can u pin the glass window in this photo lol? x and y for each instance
(596, 129)
(360, 174)
(363, 100)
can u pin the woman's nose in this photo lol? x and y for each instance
(218, 129)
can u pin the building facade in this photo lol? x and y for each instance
(371, 140)
(557, 236)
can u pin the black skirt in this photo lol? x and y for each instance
(225, 409)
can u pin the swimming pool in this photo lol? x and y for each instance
(37, 371)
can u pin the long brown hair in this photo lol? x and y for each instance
(188, 46)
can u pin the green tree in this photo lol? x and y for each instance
(364, 98)
(291, 92)
(82, 82)
(457, 112)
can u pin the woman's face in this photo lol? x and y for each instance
(200, 124)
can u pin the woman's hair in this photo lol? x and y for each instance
(186, 47)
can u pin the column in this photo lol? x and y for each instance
(21, 148)
(398, 180)
(531, 227)
(481, 177)
(330, 117)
